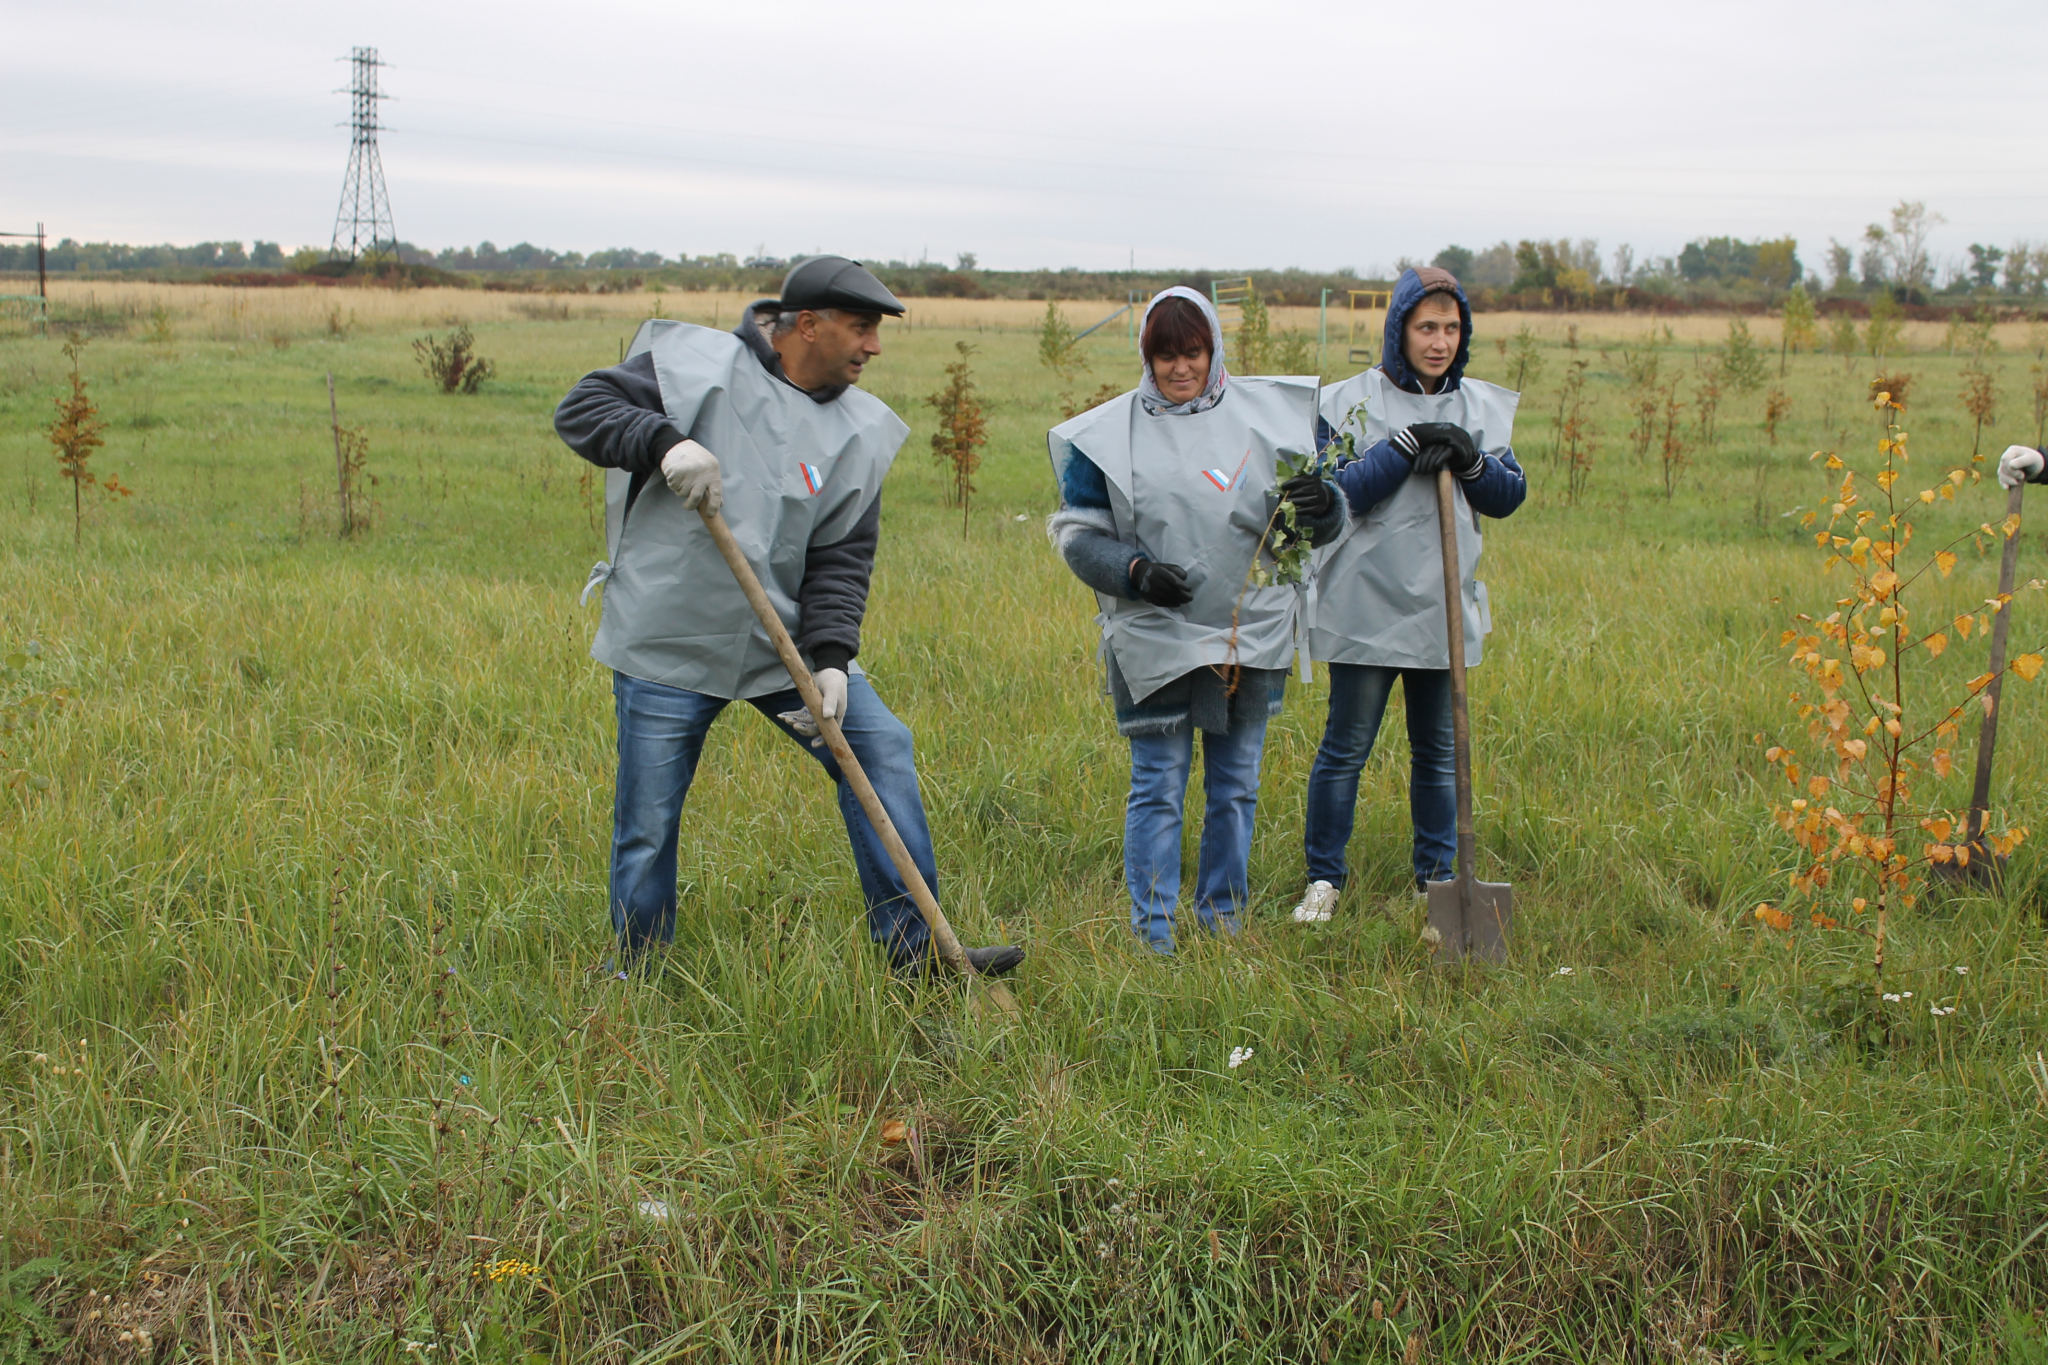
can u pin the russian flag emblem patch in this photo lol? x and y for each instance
(1218, 478)
(814, 479)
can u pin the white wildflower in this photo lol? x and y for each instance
(1941, 1012)
(1562, 971)
(1893, 998)
(1239, 1056)
(1962, 971)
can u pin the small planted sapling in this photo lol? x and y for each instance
(1881, 722)
(1798, 330)
(1980, 400)
(1777, 407)
(1672, 452)
(1526, 357)
(77, 433)
(962, 431)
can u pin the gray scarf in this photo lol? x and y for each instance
(1212, 392)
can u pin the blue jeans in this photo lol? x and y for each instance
(661, 736)
(1152, 824)
(1358, 702)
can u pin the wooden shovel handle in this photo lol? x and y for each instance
(1461, 723)
(943, 938)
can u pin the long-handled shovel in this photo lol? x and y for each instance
(943, 939)
(1986, 868)
(1468, 915)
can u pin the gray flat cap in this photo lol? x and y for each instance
(835, 282)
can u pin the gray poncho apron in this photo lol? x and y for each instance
(1379, 589)
(794, 471)
(1196, 489)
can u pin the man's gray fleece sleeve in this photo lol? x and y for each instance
(614, 418)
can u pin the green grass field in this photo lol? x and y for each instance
(306, 1053)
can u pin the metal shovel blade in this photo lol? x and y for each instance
(1482, 933)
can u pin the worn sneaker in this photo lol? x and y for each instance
(1317, 904)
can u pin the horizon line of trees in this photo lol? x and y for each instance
(1890, 257)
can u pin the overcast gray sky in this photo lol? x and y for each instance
(1062, 132)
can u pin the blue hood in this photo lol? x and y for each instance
(1409, 291)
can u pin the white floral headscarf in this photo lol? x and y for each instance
(1212, 392)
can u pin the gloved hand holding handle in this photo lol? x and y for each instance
(2020, 464)
(1446, 445)
(692, 475)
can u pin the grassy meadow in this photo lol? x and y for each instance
(307, 1052)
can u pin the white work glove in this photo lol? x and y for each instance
(831, 685)
(2018, 465)
(832, 692)
(692, 474)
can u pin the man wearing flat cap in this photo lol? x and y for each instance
(764, 423)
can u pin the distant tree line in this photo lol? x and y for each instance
(1889, 258)
(95, 256)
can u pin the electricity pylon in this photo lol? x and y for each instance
(362, 226)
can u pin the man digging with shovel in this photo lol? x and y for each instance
(743, 508)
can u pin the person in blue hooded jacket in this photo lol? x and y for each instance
(1380, 611)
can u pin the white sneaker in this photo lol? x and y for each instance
(1317, 904)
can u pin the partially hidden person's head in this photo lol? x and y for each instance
(1429, 332)
(1181, 340)
(828, 321)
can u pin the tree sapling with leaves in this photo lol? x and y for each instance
(1881, 719)
(76, 434)
(961, 433)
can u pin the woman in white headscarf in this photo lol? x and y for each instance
(1168, 494)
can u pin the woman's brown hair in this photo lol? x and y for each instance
(1176, 327)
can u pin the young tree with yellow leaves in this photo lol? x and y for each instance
(1866, 840)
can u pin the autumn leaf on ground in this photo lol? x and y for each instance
(895, 1131)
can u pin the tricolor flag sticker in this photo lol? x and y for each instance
(814, 479)
(1219, 478)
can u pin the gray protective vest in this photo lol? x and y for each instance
(1196, 489)
(794, 472)
(1379, 589)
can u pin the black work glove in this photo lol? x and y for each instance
(1163, 585)
(1445, 444)
(1310, 495)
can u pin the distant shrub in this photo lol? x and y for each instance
(454, 363)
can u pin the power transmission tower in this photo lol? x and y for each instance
(362, 226)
